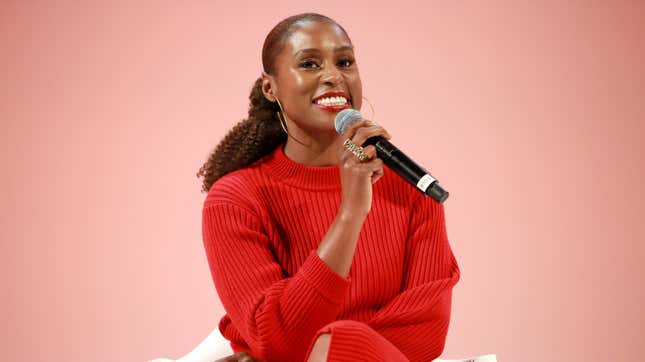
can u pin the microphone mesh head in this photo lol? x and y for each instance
(345, 118)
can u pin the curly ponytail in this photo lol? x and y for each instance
(247, 141)
(260, 133)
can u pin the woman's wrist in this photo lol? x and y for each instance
(347, 213)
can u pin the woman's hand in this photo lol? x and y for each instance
(239, 357)
(338, 246)
(357, 177)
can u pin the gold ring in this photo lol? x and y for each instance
(355, 149)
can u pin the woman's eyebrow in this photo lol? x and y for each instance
(316, 50)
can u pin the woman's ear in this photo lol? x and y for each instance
(268, 87)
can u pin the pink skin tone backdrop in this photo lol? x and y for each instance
(531, 115)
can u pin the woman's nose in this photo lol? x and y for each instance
(332, 76)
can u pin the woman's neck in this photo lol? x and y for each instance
(323, 150)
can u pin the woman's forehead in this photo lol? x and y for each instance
(318, 35)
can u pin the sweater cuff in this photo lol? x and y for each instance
(325, 280)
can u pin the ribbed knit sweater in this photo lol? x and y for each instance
(261, 228)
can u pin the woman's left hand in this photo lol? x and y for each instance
(239, 357)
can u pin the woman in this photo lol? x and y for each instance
(319, 253)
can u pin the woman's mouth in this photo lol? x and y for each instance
(332, 104)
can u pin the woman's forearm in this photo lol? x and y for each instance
(339, 243)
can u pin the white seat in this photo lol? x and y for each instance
(216, 345)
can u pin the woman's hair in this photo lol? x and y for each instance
(260, 133)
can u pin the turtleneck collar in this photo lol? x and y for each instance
(285, 170)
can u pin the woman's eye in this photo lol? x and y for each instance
(346, 62)
(308, 64)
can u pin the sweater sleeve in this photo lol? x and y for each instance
(416, 320)
(277, 315)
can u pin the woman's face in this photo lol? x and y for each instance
(317, 62)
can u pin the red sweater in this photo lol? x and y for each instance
(261, 228)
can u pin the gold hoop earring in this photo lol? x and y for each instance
(282, 122)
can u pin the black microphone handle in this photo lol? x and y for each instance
(403, 166)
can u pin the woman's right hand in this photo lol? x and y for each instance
(357, 177)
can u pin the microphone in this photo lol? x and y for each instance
(394, 158)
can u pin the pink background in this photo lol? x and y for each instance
(531, 115)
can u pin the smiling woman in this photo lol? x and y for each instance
(317, 254)
(316, 66)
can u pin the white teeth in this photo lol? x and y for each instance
(332, 101)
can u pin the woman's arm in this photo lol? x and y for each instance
(276, 315)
